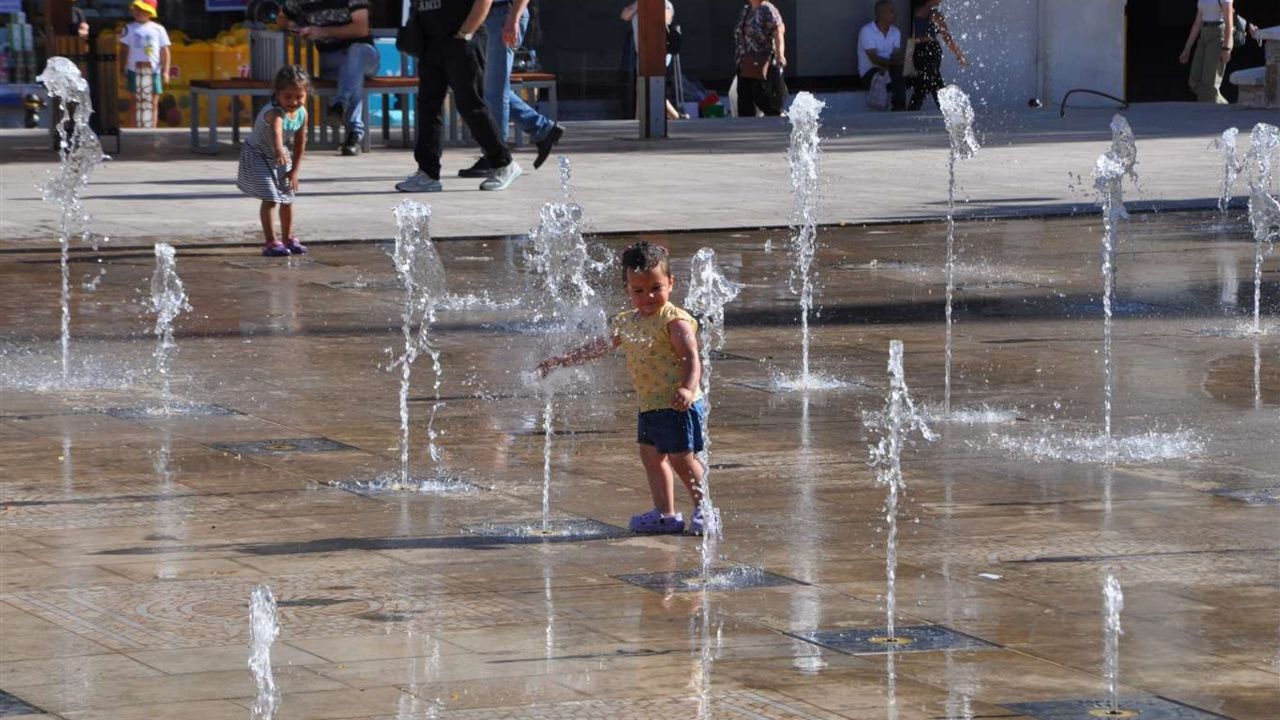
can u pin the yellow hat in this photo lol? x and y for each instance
(146, 6)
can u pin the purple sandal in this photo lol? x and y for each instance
(295, 247)
(275, 248)
(653, 523)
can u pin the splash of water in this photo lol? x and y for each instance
(805, 157)
(1152, 446)
(264, 628)
(1109, 173)
(1226, 147)
(168, 300)
(561, 273)
(1111, 633)
(958, 115)
(80, 152)
(1264, 209)
(899, 419)
(709, 292)
(418, 266)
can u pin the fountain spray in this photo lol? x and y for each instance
(957, 112)
(1264, 209)
(558, 262)
(899, 419)
(80, 152)
(804, 156)
(1111, 633)
(1231, 166)
(168, 300)
(422, 275)
(264, 628)
(709, 292)
(1109, 173)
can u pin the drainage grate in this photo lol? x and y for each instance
(913, 638)
(282, 447)
(741, 577)
(1142, 708)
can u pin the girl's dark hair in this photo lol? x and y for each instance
(643, 257)
(292, 76)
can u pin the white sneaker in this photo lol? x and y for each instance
(502, 178)
(419, 182)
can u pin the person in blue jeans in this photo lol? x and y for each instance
(506, 25)
(340, 31)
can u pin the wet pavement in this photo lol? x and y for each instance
(129, 543)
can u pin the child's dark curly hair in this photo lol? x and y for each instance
(292, 76)
(643, 257)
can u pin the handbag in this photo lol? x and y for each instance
(878, 95)
(909, 59)
(754, 67)
(675, 39)
(410, 39)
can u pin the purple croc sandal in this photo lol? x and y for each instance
(295, 247)
(653, 523)
(275, 248)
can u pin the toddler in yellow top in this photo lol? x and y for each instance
(659, 341)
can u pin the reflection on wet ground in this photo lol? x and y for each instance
(130, 542)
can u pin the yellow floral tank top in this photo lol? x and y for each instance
(651, 360)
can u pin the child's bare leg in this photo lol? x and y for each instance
(286, 222)
(689, 468)
(268, 224)
(661, 481)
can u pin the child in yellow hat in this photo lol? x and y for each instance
(145, 48)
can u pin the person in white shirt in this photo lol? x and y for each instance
(880, 50)
(1215, 21)
(145, 46)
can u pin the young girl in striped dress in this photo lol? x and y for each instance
(270, 157)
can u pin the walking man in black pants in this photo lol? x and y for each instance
(451, 58)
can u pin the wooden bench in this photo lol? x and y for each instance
(237, 88)
(528, 85)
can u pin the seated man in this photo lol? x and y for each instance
(880, 50)
(340, 31)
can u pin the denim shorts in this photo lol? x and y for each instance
(673, 431)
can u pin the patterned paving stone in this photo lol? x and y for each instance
(180, 410)
(203, 613)
(741, 705)
(531, 531)
(722, 579)
(10, 706)
(1147, 708)
(282, 446)
(918, 638)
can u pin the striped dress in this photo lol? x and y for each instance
(259, 175)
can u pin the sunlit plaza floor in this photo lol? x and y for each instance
(129, 544)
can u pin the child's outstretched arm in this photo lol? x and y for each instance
(595, 349)
(685, 344)
(299, 147)
(277, 133)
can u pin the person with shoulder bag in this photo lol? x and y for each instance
(1213, 38)
(760, 51)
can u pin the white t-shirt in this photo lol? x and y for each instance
(1211, 10)
(870, 38)
(144, 41)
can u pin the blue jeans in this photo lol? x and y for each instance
(350, 66)
(503, 102)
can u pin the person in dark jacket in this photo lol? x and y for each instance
(453, 58)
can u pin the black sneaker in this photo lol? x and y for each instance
(482, 169)
(546, 144)
(350, 146)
